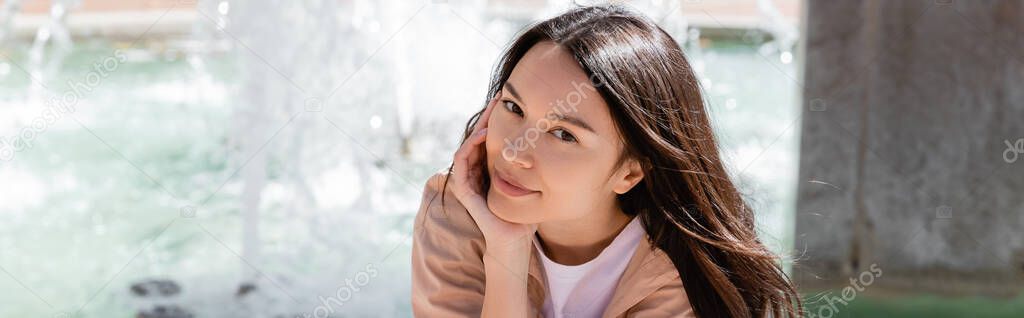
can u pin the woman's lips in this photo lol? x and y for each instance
(508, 188)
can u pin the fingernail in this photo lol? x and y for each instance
(481, 131)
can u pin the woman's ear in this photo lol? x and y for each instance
(633, 174)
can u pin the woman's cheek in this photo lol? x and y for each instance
(557, 157)
(494, 140)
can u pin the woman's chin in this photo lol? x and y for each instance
(508, 211)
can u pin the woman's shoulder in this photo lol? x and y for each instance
(441, 214)
(651, 286)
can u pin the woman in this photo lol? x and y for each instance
(591, 185)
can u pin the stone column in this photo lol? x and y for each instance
(912, 148)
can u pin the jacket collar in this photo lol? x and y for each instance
(648, 270)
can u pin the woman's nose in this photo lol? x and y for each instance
(518, 148)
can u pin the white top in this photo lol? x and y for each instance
(585, 290)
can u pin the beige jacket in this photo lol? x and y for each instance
(448, 270)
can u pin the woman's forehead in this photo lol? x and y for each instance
(548, 77)
(551, 65)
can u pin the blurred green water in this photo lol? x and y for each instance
(924, 305)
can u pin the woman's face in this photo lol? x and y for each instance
(552, 146)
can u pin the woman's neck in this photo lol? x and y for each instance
(574, 242)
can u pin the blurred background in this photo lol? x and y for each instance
(176, 158)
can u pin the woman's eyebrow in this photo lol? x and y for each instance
(513, 91)
(574, 121)
(559, 117)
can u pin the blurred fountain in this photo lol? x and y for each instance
(784, 33)
(42, 65)
(7, 12)
(337, 101)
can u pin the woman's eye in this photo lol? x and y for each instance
(564, 135)
(512, 107)
(559, 133)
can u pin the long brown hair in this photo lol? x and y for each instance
(688, 205)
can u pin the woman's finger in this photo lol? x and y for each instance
(478, 137)
(467, 176)
(490, 108)
(469, 146)
(468, 157)
(485, 117)
(468, 164)
(472, 156)
(467, 151)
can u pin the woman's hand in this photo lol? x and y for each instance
(467, 183)
(509, 245)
